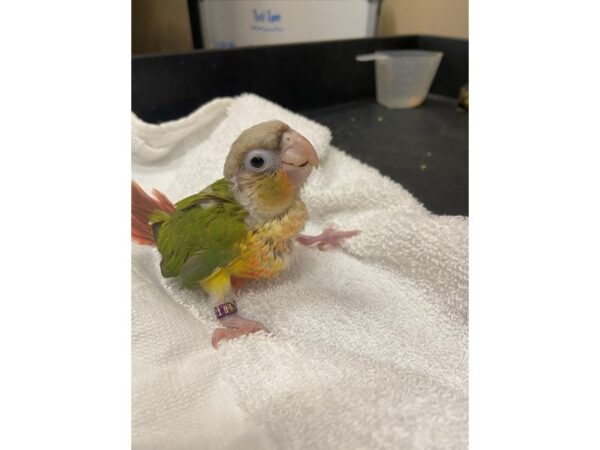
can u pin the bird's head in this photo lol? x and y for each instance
(267, 165)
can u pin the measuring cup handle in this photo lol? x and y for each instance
(371, 57)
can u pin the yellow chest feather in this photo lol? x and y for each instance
(267, 245)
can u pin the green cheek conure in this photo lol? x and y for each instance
(240, 227)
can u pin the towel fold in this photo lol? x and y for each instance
(369, 342)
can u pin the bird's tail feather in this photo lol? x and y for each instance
(142, 205)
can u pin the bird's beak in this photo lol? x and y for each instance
(298, 157)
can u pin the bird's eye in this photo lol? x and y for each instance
(257, 162)
(261, 160)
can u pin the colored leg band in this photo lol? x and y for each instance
(225, 309)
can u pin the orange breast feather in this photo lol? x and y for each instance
(267, 246)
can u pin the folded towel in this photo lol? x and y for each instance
(369, 341)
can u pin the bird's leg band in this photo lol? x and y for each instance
(224, 309)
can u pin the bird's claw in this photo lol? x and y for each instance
(329, 237)
(236, 326)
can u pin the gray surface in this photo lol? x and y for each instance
(425, 149)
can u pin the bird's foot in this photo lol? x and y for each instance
(235, 326)
(329, 236)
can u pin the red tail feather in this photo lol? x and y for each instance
(142, 205)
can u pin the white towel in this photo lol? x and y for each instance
(369, 342)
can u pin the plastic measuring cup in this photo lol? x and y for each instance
(403, 76)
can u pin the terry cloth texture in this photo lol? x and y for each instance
(369, 341)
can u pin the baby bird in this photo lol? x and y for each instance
(241, 227)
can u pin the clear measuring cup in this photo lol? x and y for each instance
(403, 76)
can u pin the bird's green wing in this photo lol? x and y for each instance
(204, 233)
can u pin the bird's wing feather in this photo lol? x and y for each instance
(205, 232)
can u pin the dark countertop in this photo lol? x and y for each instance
(424, 149)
